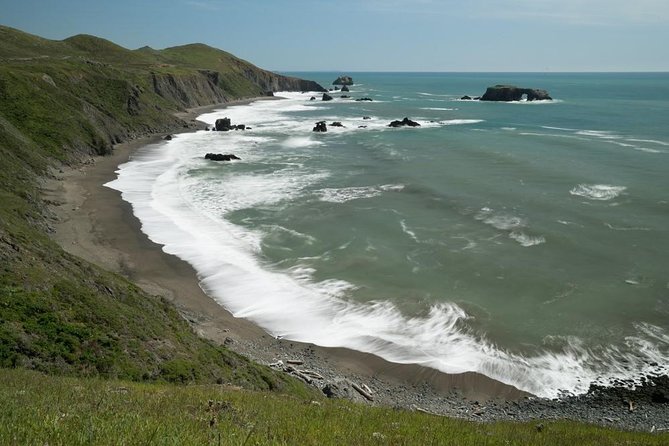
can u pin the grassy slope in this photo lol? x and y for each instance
(38, 409)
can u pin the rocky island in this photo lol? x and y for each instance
(343, 80)
(509, 93)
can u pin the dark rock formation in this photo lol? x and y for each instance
(507, 93)
(364, 99)
(345, 96)
(466, 98)
(168, 138)
(320, 127)
(366, 117)
(337, 124)
(223, 125)
(403, 123)
(327, 97)
(343, 80)
(336, 88)
(313, 98)
(220, 157)
(362, 126)
(269, 93)
(344, 88)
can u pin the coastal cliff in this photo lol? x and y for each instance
(83, 94)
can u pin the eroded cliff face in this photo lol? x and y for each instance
(189, 90)
(206, 87)
(273, 82)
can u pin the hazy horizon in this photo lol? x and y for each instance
(378, 36)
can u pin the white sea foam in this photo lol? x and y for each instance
(527, 240)
(409, 232)
(650, 141)
(344, 194)
(501, 221)
(460, 121)
(600, 192)
(187, 217)
(438, 108)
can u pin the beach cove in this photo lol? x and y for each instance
(393, 384)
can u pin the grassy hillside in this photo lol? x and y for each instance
(61, 101)
(38, 409)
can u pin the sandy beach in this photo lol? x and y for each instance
(93, 222)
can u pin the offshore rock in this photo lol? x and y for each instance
(223, 125)
(344, 88)
(509, 93)
(320, 127)
(364, 99)
(343, 80)
(403, 123)
(327, 97)
(337, 124)
(220, 157)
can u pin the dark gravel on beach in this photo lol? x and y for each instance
(642, 407)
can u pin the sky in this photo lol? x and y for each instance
(376, 35)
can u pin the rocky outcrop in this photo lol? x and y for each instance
(189, 90)
(321, 126)
(221, 157)
(343, 80)
(223, 125)
(509, 93)
(364, 100)
(406, 122)
(337, 124)
(344, 88)
(327, 97)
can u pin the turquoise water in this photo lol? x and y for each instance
(525, 241)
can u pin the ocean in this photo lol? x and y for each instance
(525, 241)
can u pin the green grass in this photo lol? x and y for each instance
(39, 409)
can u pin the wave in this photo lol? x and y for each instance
(461, 121)
(599, 192)
(527, 240)
(344, 194)
(438, 108)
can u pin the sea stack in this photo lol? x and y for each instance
(343, 80)
(509, 93)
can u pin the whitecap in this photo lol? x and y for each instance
(344, 194)
(461, 121)
(438, 108)
(600, 192)
(527, 240)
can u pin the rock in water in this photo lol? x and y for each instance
(343, 80)
(223, 125)
(327, 97)
(364, 99)
(320, 127)
(509, 93)
(220, 157)
(344, 88)
(403, 123)
(337, 124)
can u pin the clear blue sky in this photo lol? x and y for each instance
(377, 35)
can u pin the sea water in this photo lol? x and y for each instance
(525, 241)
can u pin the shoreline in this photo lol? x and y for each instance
(93, 222)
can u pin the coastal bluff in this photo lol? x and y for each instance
(511, 93)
